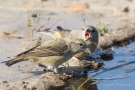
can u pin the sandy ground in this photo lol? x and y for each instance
(13, 20)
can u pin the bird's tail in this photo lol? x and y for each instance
(13, 61)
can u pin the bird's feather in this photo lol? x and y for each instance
(51, 48)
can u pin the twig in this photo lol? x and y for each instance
(47, 29)
(54, 23)
(127, 63)
(42, 26)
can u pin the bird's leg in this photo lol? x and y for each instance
(74, 58)
(43, 66)
(46, 69)
(56, 70)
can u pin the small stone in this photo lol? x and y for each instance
(5, 81)
(25, 86)
(6, 33)
(7, 85)
(23, 82)
(78, 8)
(126, 9)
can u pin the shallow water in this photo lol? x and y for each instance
(122, 78)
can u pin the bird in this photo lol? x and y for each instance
(91, 38)
(87, 33)
(51, 53)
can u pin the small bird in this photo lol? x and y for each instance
(88, 33)
(91, 38)
(52, 53)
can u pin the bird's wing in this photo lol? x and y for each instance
(59, 33)
(65, 33)
(51, 48)
(50, 33)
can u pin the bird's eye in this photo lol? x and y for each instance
(93, 31)
(81, 44)
(82, 28)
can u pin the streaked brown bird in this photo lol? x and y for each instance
(52, 53)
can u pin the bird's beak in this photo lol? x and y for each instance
(87, 50)
(87, 35)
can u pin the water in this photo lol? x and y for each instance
(121, 78)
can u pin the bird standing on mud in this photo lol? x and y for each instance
(52, 53)
(88, 33)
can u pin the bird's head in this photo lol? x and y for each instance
(91, 33)
(79, 45)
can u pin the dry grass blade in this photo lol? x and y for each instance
(39, 41)
(44, 26)
(84, 83)
(54, 24)
(32, 23)
(84, 21)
